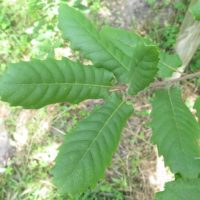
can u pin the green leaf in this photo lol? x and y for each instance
(124, 40)
(176, 133)
(88, 149)
(197, 108)
(38, 83)
(143, 67)
(181, 190)
(86, 38)
(168, 64)
(134, 46)
(195, 10)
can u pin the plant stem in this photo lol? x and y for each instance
(168, 82)
(160, 84)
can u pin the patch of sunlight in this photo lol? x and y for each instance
(161, 176)
(48, 154)
(41, 190)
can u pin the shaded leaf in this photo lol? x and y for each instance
(181, 190)
(88, 149)
(135, 47)
(38, 83)
(176, 133)
(143, 67)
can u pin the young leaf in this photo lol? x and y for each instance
(86, 38)
(168, 64)
(124, 40)
(181, 189)
(176, 133)
(143, 67)
(88, 149)
(195, 10)
(38, 83)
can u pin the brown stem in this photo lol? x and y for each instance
(174, 81)
(160, 84)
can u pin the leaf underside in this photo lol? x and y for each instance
(181, 190)
(88, 149)
(38, 83)
(176, 133)
(84, 36)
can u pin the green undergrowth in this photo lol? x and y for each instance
(166, 31)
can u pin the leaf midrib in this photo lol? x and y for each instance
(138, 63)
(58, 84)
(96, 137)
(102, 45)
(176, 125)
(168, 66)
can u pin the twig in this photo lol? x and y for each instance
(58, 130)
(118, 88)
(174, 81)
(160, 84)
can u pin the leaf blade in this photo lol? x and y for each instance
(178, 141)
(93, 142)
(180, 190)
(38, 83)
(86, 38)
(143, 67)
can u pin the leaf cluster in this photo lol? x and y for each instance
(118, 57)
